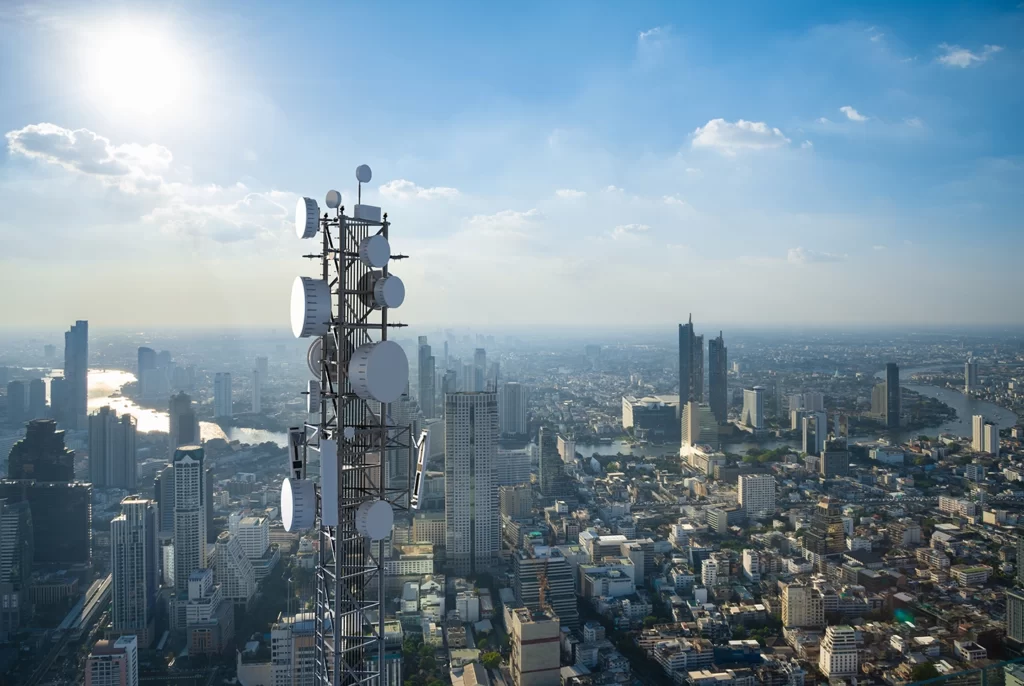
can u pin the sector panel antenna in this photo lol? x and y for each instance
(379, 371)
(311, 307)
(307, 221)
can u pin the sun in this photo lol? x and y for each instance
(133, 68)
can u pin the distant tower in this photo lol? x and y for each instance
(222, 395)
(257, 391)
(146, 365)
(427, 395)
(189, 515)
(753, 407)
(479, 370)
(76, 372)
(691, 364)
(17, 407)
(892, 395)
(512, 404)
(471, 486)
(36, 399)
(17, 549)
(263, 367)
(112, 456)
(718, 385)
(970, 376)
(184, 424)
(551, 466)
(135, 566)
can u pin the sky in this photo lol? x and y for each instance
(566, 164)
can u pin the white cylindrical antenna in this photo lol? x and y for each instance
(307, 218)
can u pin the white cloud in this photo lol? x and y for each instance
(804, 256)
(658, 33)
(253, 216)
(131, 167)
(629, 231)
(955, 56)
(401, 189)
(674, 200)
(852, 114)
(694, 171)
(614, 189)
(729, 138)
(878, 247)
(570, 193)
(510, 223)
(807, 145)
(914, 122)
(822, 120)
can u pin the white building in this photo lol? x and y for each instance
(204, 598)
(472, 537)
(814, 401)
(753, 408)
(512, 408)
(970, 376)
(189, 515)
(699, 426)
(757, 494)
(293, 650)
(752, 565)
(978, 433)
(254, 536)
(135, 569)
(990, 439)
(113, 663)
(234, 571)
(222, 394)
(838, 656)
(257, 391)
(709, 572)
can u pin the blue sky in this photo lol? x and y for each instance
(544, 163)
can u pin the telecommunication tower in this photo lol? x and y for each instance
(357, 372)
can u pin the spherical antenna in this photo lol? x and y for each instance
(363, 173)
(333, 199)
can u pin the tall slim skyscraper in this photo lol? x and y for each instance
(970, 376)
(135, 566)
(753, 407)
(184, 428)
(263, 367)
(36, 399)
(163, 493)
(551, 467)
(512, 404)
(59, 399)
(17, 402)
(892, 395)
(17, 541)
(112, 457)
(189, 515)
(978, 433)
(426, 373)
(76, 373)
(691, 364)
(826, 535)
(146, 364)
(480, 370)
(257, 391)
(718, 384)
(222, 395)
(471, 488)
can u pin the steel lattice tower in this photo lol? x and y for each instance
(357, 374)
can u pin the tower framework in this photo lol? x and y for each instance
(355, 373)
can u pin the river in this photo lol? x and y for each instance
(104, 390)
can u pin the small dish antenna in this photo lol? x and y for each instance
(363, 175)
(333, 199)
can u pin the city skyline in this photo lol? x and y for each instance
(901, 157)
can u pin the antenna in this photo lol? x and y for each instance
(356, 373)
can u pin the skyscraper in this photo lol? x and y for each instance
(718, 384)
(189, 515)
(135, 566)
(529, 565)
(163, 493)
(753, 408)
(826, 535)
(17, 541)
(978, 433)
(113, 663)
(112, 457)
(990, 438)
(222, 395)
(892, 395)
(839, 656)
(535, 656)
(17, 405)
(480, 370)
(553, 482)
(512, 404)
(757, 494)
(36, 399)
(970, 376)
(815, 430)
(59, 399)
(1015, 614)
(699, 425)
(184, 424)
(691, 364)
(41, 455)
(426, 372)
(234, 571)
(61, 520)
(257, 391)
(146, 364)
(471, 491)
(263, 367)
(76, 373)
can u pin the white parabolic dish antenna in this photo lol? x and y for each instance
(374, 251)
(333, 199)
(311, 307)
(379, 371)
(375, 520)
(307, 215)
(363, 173)
(389, 292)
(298, 504)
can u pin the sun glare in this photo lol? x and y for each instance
(134, 69)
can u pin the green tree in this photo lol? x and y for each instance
(649, 621)
(491, 660)
(925, 670)
(428, 663)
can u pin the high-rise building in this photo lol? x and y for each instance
(209, 619)
(757, 494)
(61, 520)
(257, 392)
(293, 650)
(17, 540)
(143, 371)
(163, 494)
(263, 367)
(112, 456)
(135, 567)
(1015, 614)
(718, 378)
(36, 399)
(189, 515)
(528, 568)
(802, 606)
(838, 656)
(554, 483)
(536, 656)
(990, 438)
(699, 425)
(753, 408)
(970, 376)
(815, 431)
(691, 364)
(471, 489)
(17, 402)
(835, 460)
(516, 501)
(826, 534)
(893, 404)
(113, 663)
(184, 423)
(41, 454)
(880, 401)
(427, 395)
(813, 401)
(480, 370)
(234, 571)
(467, 381)
(752, 565)
(512, 406)
(513, 467)
(222, 406)
(709, 573)
(978, 433)
(59, 398)
(1020, 560)
(76, 373)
